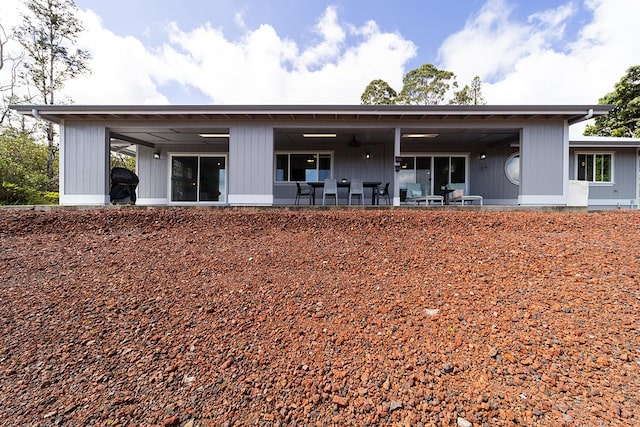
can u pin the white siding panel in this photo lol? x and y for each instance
(542, 161)
(250, 161)
(86, 165)
(152, 174)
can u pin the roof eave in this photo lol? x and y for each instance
(55, 113)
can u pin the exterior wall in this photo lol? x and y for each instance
(488, 179)
(546, 165)
(623, 192)
(250, 169)
(84, 165)
(543, 164)
(153, 175)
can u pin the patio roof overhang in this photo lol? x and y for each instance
(391, 114)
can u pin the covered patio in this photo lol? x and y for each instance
(255, 155)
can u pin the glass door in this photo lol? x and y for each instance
(449, 172)
(184, 179)
(198, 178)
(212, 176)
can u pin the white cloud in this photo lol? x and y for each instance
(120, 68)
(263, 68)
(534, 63)
(258, 68)
(528, 61)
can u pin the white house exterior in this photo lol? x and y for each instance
(254, 155)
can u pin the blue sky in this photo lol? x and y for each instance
(425, 22)
(326, 52)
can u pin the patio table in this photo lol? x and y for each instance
(346, 184)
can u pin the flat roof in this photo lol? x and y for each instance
(603, 141)
(58, 113)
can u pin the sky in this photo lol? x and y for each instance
(327, 52)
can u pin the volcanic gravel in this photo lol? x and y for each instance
(402, 317)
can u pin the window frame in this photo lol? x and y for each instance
(507, 172)
(433, 155)
(198, 155)
(594, 154)
(289, 153)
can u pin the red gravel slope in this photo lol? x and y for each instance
(189, 317)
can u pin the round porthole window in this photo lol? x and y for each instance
(512, 168)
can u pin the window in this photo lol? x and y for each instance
(198, 178)
(292, 167)
(595, 167)
(512, 168)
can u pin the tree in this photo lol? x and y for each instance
(10, 88)
(23, 170)
(47, 35)
(378, 92)
(426, 85)
(624, 119)
(469, 95)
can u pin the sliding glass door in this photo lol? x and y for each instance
(198, 178)
(434, 173)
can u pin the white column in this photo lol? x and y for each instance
(396, 153)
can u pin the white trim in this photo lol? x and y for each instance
(542, 199)
(594, 153)
(197, 154)
(61, 160)
(150, 201)
(251, 199)
(566, 159)
(84, 199)
(331, 154)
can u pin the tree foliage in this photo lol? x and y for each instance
(23, 170)
(426, 85)
(624, 119)
(47, 35)
(469, 95)
(378, 92)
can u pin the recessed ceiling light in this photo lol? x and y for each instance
(419, 135)
(214, 135)
(319, 135)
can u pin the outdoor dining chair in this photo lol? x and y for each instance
(356, 188)
(383, 193)
(330, 189)
(302, 191)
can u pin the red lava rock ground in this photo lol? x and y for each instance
(404, 317)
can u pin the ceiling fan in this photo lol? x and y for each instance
(354, 143)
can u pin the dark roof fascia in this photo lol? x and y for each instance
(57, 113)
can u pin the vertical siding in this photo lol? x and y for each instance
(86, 164)
(152, 173)
(487, 176)
(251, 160)
(624, 174)
(543, 159)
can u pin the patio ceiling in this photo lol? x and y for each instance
(158, 137)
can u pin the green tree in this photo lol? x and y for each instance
(426, 85)
(378, 92)
(122, 161)
(23, 170)
(469, 95)
(624, 119)
(47, 35)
